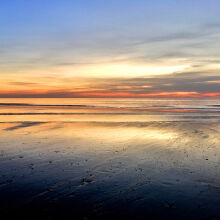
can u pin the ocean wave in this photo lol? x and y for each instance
(43, 105)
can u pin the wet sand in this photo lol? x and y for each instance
(110, 170)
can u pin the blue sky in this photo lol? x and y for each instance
(110, 40)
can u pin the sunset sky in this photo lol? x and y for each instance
(115, 48)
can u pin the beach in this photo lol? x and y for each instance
(109, 159)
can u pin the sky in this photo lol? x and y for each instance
(115, 48)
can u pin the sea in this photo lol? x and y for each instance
(108, 109)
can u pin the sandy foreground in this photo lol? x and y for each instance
(110, 170)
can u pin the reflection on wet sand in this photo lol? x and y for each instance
(110, 170)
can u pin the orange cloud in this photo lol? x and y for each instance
(47, 93)
(158, 94)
